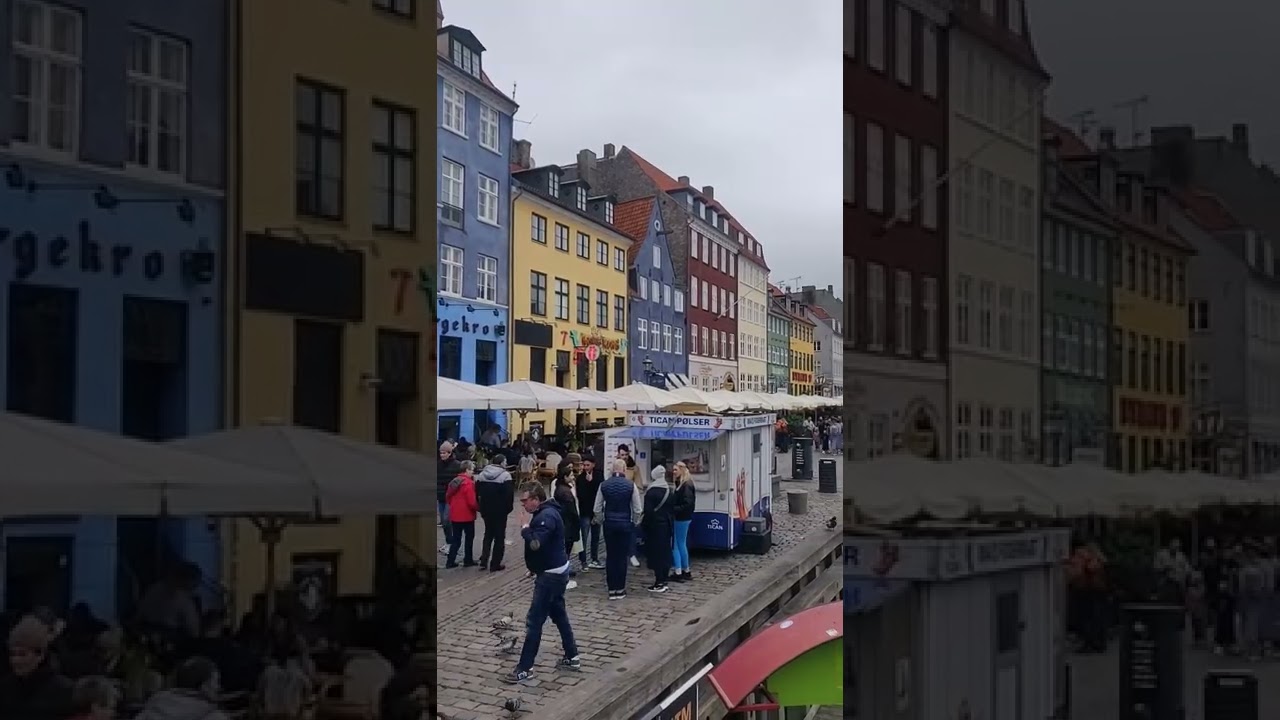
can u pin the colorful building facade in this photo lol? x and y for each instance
(1149, 307)
(569, 281)
(779, 344)
(474, 225)
(112, 239)
(803, 367)
(650, 305)
(332, 231)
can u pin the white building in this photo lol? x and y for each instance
(993, 272)
(753, 315)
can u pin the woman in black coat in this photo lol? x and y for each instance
(658, 527)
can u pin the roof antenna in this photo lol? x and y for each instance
(514, 86)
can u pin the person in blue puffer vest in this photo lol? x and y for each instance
(617, 509)
(545, 556)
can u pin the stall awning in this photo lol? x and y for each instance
(675, 381)
(663, 433)
(770, 650)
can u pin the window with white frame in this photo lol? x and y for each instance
(489, 133)
(453, 111)
(487, 279)
(581, 197)
(874, 157)
(679, 300)
(642, 334)
(157, 102)
(929, 186)
(964, 299)
(466, 59)
(929, 59)
(644, 289)
(903, 46)
(619, 259)
(677, 342)
(902, 178)
(450, 270)
(986, 307)
(875, 306)
(553, 185)
(562, 237)
(693, 294)
(706, 348)
(46, 75)
(584, 245)
(903, 309)
(666, 295)
(655, 336)
(929, 314)
(602, 253)
(655, 290)
(452, 183)
(487, 199)
(666, 338)
(876, 33)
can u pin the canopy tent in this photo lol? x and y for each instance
(458, 395)
(797, 662)
(649, 398)
(901, 486)
(548, 397)
(56, 469)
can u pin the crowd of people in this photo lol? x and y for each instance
(1230, 591)
(569, 503)
(825, 429)
(174, 661)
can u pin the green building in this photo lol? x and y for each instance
(779, 345)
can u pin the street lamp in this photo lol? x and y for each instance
(650, 374)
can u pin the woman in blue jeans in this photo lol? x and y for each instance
(682, 505)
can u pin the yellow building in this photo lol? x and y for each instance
(332, 224)
(802, 351)
(568, 288)
(1149, 307)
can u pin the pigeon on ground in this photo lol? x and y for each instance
(507, 644)
(503, 622)
(832, 524)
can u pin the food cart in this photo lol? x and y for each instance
(727, 455)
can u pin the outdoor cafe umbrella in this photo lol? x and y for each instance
(52, 468)
(650, 398)
(459, 395)
(548, 397)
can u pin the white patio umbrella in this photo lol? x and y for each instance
(701, 397)
(647, 397)
(56, 469)
(755, 401)
(547, 397)
(457, 395)
(608, 402)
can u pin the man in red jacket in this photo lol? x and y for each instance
(463, 507)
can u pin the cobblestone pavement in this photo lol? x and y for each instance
(469, 601)
(1096, 683)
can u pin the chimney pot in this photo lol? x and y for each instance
(524, 154)
(709, 191)
(609, 151)
(683, 180)
(587, 167)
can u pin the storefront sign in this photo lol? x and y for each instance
(802, 378)
(703, 422)
(1149, 415)
(937, 559)
(579, 341)
(1011, 553)
(31, 252)
(466, 326)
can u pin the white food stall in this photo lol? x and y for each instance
(728, 456)
(946, 627)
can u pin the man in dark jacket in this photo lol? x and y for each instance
(616, 509)
(589, 482)
(495, 494)
(447, 468)
(32, 689)
(545, 557)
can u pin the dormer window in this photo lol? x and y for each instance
(581, 198)
(553, 185)
(699, 209)
(466, 59)
(608, 212)
(713, 217)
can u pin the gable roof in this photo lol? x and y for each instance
(631, 218)
(819, 312)
(1070, 145)
(1207, 210)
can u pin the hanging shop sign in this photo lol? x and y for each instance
(32, 252)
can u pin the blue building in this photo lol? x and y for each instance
(111, 233)
(474, 143)
(657, 307)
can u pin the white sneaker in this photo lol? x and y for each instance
(635, 562)
(572, 584)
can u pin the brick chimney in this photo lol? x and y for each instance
(609, 151)
(709, 191)
(683, 180)
(522, 154)
(587, 167)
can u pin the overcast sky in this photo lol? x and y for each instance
(1205, 64)
(741, 95)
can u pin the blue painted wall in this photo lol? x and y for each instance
(471, 326)
(650, 311)
(62, 205)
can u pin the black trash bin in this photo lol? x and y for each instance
(802, 458)
(1151, 662)
(827, 476)
(1230, 695)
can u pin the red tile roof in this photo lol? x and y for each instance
(1207, 210)
(667, 184)
(819, 312)
(1070, 145)
(631, 218)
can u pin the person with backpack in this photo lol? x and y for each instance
(658, 527)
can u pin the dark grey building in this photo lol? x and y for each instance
(1077, 235)
(1229, 203)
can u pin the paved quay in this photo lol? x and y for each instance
(470, 666)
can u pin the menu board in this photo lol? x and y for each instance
(1151, 663)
